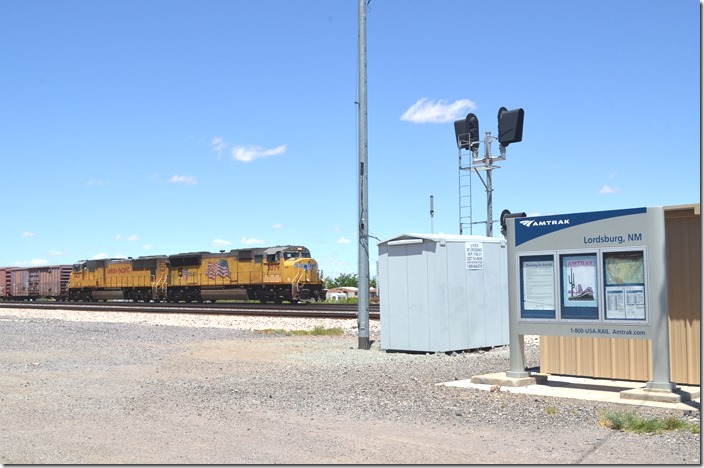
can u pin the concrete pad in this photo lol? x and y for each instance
(676, 396)
(501, 379)
(614, 391)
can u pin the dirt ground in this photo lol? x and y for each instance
(74, 398)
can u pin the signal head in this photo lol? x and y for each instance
(510, 125)
(462, 134)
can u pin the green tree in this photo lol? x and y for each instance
(346, 279)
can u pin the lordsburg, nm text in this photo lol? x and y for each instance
(605, 239)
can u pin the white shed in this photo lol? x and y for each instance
(442, 293)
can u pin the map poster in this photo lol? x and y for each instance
(624, 268)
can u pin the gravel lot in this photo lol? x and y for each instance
(98, 388)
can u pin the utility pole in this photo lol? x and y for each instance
(363, 252)
(432, 212)
(489, 190)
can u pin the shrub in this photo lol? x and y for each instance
(631, 422)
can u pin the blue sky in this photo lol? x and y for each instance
(135, 127)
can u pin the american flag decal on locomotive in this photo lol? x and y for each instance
(218, 269)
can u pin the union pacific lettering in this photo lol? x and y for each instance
(118, 269)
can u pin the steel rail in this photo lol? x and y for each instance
(238, 309)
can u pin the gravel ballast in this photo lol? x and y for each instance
(126, 388)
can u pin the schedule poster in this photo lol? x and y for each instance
(625, 302)
(538, 287)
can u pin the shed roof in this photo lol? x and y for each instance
(442, 237)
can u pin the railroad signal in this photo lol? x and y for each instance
(505, 215)
(510, 126)
(473, 127)
(467, 137)
(467, 132)
(462, 134)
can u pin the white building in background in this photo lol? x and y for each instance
(347, 292)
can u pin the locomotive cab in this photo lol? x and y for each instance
(301, 271)
(86, 276)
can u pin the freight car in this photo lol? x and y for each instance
(277, 274)
(33, 283)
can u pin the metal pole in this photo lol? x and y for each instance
(363, 257)
(489, 221)
(432, 212)
(459, 188)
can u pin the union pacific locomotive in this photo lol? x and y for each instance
(277, 274)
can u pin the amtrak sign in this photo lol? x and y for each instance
(550, 222)
(529, 229)
(596, 274)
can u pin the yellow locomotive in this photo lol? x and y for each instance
(281, 273)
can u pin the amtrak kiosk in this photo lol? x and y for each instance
(599, 274)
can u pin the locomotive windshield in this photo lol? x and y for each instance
(296, 254)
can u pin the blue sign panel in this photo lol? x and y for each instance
(528, 229)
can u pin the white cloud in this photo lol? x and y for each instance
(250, 153)
(179, 179)
(219, 144)
(251, 241)
(100, 256)
(277, 226)
(133, 237)
(28, 234)
(147, 246)
(97, 183)
(425, 110)
(220, 243)
(608, 190)
(54, 253)
(344, 240)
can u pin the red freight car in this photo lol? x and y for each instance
(32, 283)
(4, 282)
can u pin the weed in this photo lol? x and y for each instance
(271, 331)
(317, 331)
(631, 422)
(551, 410)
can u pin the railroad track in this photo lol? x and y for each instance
(342, 311)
